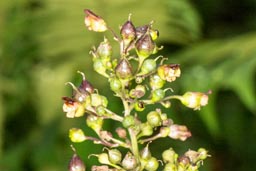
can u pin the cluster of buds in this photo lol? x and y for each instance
(138, 84)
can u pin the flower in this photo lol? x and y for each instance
(179, 132)
(72, 108)
(195, 99)
(169, 72)
(76, 135)
(94, 22)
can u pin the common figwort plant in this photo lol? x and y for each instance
(139, 80)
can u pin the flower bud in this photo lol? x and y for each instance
(114, 156)
(103, 158)
(203, 153)
(76, 164)
(72, 108)
(194, 100)
(121, 132)
(128, 121)
(85, 86)
(152, 164)
(145, 46)
(145, 130)
(156, 82)
(76, 135)
(129, 162)
(94, 122)
(124, 69)
(169, 156)
(154, 119)
(148, 66)
(94, 22)
(180, 132)
(169, 72)
(157, 95)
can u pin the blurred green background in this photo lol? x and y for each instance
(44, 43)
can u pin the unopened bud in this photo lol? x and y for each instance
(180, 132)
(156, 82)
(154, 119)
(152, 164)
(76, 135)
(169, 156)
(94, 122)
(194, 99)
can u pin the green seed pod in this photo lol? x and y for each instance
(76, 135)
(128, 121)
(146, 130)
(170, 167)
(203, 153)
(129, 162)
(98, 100)
(99, 66)
(152, 164)
(145, 153)
(148, 66)
(156, 82)
(114, 156)
(104, 50)
(76, 164)
(154, 119)
(157, 95)
(169, 156)
(103, 158)
(144, 46)
(124, 69)
(139, 106)
(94, 122)
(115, 84)
(100, 110)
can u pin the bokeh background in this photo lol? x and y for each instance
(44, 43)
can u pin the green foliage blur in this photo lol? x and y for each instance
(44, 43)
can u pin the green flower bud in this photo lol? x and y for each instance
(169, 156)
(94, 122)
(169, 72)
(156, 82)
(104, 50)
(139, 106)
(148, 66)
(129, 162)
(154, 119)
(76, 164)
(76, 135)
(128, 121)
(115, 84)
(94, 22)
(114, 156)
(157, 95)
(145, 46)
(170, 167)
(152, 164)
(124, 69)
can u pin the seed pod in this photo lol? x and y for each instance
(145, 153)
(154, 119)
(128, 121)
(99, 66)
(144, 46)
(85, 86)
(124, 69)
(115, 84)
(152, 164)
(76, 164)
(203, 153)
(98, 100)
(148, 66)
(141, 30)
(114, 156)
(103, 158)
(76, 135)
(128, 32)
(157, 95)
(169, 156)
(104, 50)
(170, 167)
(129, 162)
(183, 161)
(94, 122)
(146, 130)
(156, 82)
